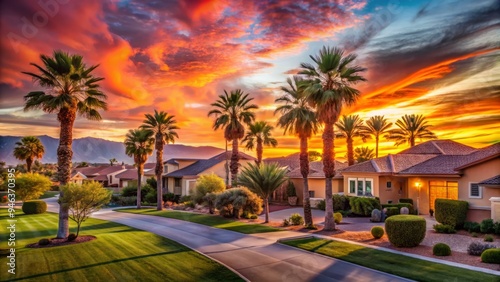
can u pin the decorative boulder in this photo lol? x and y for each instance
(404, 210)
(376, 216)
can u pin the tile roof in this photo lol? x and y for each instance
(90, 170)
(149, 166)
(439, 147)
(389, 163)
(102, 177)
(130, 174)
(495, 180)
(202, 165)
(111, 169)
(291, 161)
(316, 170)
(481, 155)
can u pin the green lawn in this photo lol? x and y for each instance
(119, 253)
(205, 219)
(399, 265)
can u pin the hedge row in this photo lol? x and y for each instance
(405, 230)
(451, 212)
(399, 206)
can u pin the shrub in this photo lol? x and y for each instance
(390, 211)
(476, 248)
(472, 226)
(233, 202)
(170, 197)
(185, 198)
(296, 219)
(405, 230)
(377, 232)
(290, 190)
(451, 212)
(337, 217)
(491, 256)
(72, 237)
(44, 242)
(399, 206)
(487, 226)
(150, 197)
(207, 183)
(128, 201)
(441, 249)
(406, 200)
(488, 238)
(321, 205)
(131, 190)
(443, 228)
(34, 207)
(254, 216)
(496, 228)
(209, 200)
(474, 234)
(363, 206)
(190, 204)
(286, 222)
(341, 202)
(30, 186)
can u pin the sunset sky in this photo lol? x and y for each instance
(437, 58)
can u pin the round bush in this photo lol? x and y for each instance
(441, 249)
(71, 237)
(43, 242)
(337, 217)
(296, 219)
(491, 256)
(377, 232)
(34, 207)
(405, 230)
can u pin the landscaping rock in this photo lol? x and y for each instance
(404, 210)
(376, 216)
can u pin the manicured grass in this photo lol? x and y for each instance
(205, 219)
(49, 194)
(396, 264)
(120, 253)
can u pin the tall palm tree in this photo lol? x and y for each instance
(348, 128)
(163, 127)
(71, 89)
(376, 126)
(112, 161)
(231, 112)
(331, 80)
(410, 128)
(259, 133)
(139, 145)
(298, 118)
(28, 149)
(263, 180)
(362, 154)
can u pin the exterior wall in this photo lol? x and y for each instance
(476, 174)
(112, 177)
(220, 170)
(184, 163)
(78, 179)
(318, 186)
(477, 215)
(374, 176)
(398, 189)
(167, 168)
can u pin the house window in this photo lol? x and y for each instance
(177, 182)
(475, 191)
(389, 185)
(311, 194)
(110, 178)
(361, 186)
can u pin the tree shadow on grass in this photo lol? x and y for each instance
(98, 264)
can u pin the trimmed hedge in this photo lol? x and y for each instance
(441, 249)
(406, 200)
(487, 226)
(451, 212)
(34, 207)
(363, 206)
(377, 232)
(405, 230)
(491, 256)
(399, 206)
(443, 228)
(390, 211)
(472, 226)
(337, 217)
(341, 202)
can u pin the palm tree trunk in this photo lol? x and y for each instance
(412, 141)
(234, 162)
(259, 152)
(140, 169)
(376, 146)
(329, 170)
(159, 171)
(304, 170)
(66, 118)
(29, 162)
(350, 151)
(266, 206)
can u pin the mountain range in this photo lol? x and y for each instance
(96, 150)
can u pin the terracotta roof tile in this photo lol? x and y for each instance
(495, 180)
(439, 147)
(316, 170)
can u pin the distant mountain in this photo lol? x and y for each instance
(96, 150)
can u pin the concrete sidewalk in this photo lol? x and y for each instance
(256, 257)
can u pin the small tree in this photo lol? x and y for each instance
(31, 186)
(263, 180)
(83, 200)
(207, 184)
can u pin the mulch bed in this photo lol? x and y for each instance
(62, 242)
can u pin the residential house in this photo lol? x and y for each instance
(77, 177)
(431, 170)
(181, 174)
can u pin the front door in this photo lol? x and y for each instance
(442, 190)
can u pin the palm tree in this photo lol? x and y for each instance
(350, 127)
(299, 119)
(231, 112)
(410, 128)
(329, 88)
(362, 154)
(28, 149)
(263, 180)
(71, 89)
(112, 161)
(163, 127)
(260, 133)
(139, 145)
(376, 126)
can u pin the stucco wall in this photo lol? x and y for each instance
(398, 189)
(423, 196)
(317, 185)
(374, 176)
(476, 174)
